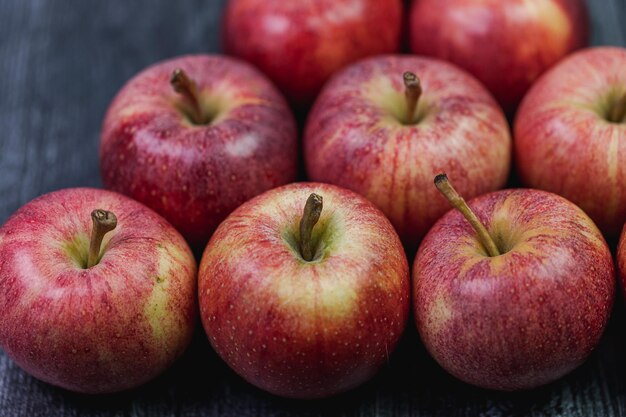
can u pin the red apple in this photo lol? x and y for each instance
(570, 135)
(368, 134)
(521, 316)
(299, 309)
(300, 44)
(505, 44)
(196, 136)
(94, 315)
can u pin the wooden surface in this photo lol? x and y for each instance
(61, 62)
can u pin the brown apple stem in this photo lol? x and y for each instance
(185, 86)
(412, 93)
(455, 199)
(312, 212)
(103, 222)
(618, 111)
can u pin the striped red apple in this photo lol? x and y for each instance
(385, 136)
(194, 137)
(97, 292)
(304, 290)
(570, 135)
(514, 290)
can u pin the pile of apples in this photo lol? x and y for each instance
(304, 288)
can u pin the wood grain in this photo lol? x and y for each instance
(61, 63)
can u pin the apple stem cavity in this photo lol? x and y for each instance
(618, 110)
(186, 87)
(445, 187)
(103, 222)
(412, 93)
(310, 216)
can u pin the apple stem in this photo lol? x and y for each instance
(103, 222)
(412, 93)
(445, 187)
(183, 85)
(312, 212)
(618, 111)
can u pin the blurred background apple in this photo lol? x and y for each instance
(505, 44)
(300, 44)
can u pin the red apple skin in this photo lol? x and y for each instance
(565, 144)
(195, 175)
(505, 44)
(107, 328)
(621, 261)
(298, 329)
(300, 44)
(354, 138)
(524, 318)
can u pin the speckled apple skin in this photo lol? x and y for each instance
(298, 329)
(192, 175)
(621, 261)
(354, 139)
(524, 318)
(107, 328)
(505, 44)
(300, 44)
(564, 144)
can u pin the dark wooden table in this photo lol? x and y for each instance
(61, 62)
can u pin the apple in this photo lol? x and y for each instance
(514, 292)
(300, 44)
(94, 304)
(570, 134)
(194, 137)
(386, 135)
(505, 44)
(304, 302)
